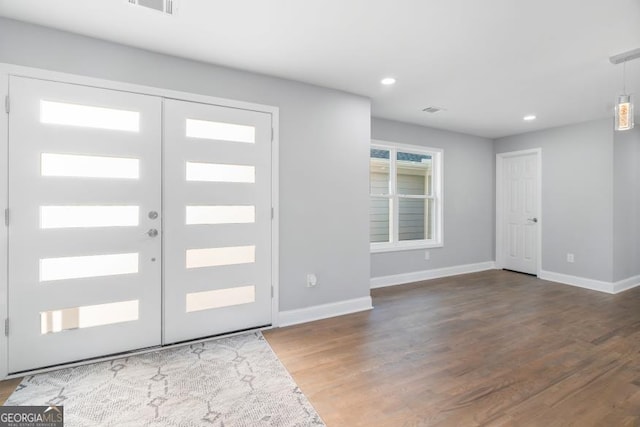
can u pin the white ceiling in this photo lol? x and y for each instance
(487, 62)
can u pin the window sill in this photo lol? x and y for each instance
(410, 246)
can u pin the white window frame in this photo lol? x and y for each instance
(437, 155)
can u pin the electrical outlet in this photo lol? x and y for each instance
(571, 257)
(427, 255)
(312, 280)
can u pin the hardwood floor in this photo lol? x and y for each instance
(7, 387)
(492, 348)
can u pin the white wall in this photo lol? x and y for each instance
(577, 196)
(324, 146)
(469, 202)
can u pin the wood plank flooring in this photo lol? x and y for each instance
(493, 348)
(7, 387)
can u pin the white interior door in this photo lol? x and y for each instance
(217, 222)
(519, 212)
(84, 179)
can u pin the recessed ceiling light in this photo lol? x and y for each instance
(388, 81)
(529, 118)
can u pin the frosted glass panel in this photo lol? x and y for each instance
(61, 113)
(88, 166)
(220, 214)
(88, 216)
(88, 316)
(213, 172)
(212, 257)
(87, 266)
(220, 298)
(205, 129)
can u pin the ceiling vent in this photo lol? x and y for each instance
(164, 6)
(433, 110)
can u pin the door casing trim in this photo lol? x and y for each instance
(7, 70)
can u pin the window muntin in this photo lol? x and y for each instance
(406, 200)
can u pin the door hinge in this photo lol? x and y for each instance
(272, 213)
(6, 327)
(6, 217)
(271, 134)
(271, 292)
(7, 104)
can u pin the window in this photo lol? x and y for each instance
(406, 197)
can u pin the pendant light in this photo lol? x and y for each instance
(624, 104)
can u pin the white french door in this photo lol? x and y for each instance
(217, 198)
(84, 175)
(518, 211)
(135, 221)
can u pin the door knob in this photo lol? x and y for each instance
(153, 215)
(152, 232)
(532, 219)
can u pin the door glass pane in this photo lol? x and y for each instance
(220, 214)
(379, 219)
(72, 165)
(415, 219)
(61, 113)
(88, 216)
(379, 171)
(205, 129)
(88, 316)
(87, 266)
(212, 172)
(414, 173)
(212, 257)
(220, 298)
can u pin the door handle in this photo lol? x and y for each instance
(532, 219)
(152, 232)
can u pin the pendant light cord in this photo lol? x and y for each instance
(624, 77)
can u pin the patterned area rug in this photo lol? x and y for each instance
(236, 381)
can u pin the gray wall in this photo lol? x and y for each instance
(324, 150)
(577, 196)
(469, 203)
(626, 204)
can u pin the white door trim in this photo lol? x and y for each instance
(500, 157)
(4, 242)
(17, 70)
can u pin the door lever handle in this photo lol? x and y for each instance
(532, 219)
(152, 232)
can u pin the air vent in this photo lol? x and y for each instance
(433, 110)
(164, 6)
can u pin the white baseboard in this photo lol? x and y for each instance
(581, 282)
(626, 284)
(417, 276)
(595, 285)
(324, 311)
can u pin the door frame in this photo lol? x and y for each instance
(10, 69)
(500, 158)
